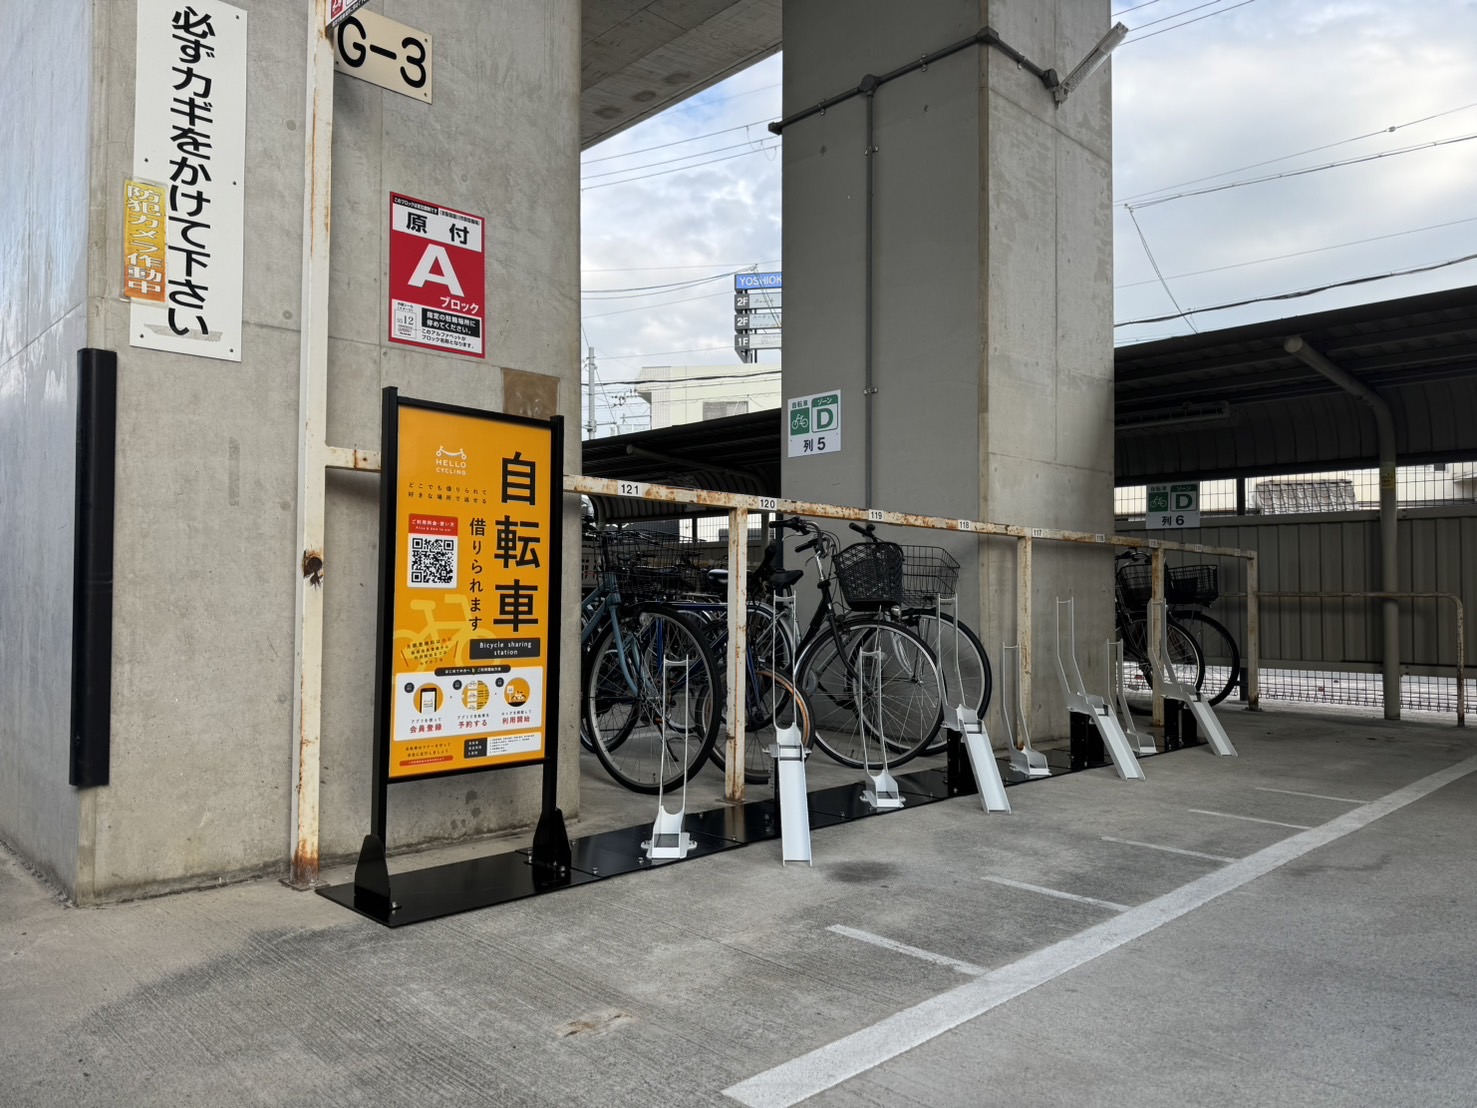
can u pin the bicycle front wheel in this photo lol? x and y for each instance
(653, 696)
(1218, 651)
(876, 685)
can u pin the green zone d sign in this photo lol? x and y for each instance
(815, 424)
(1173, 506)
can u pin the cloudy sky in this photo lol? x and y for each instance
(1261, 147)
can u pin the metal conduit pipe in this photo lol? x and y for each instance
(1384, 422)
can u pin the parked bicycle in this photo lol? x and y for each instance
(869, 679)
(651, 690)
(769, 660)
(930, 608)
(1131, 594)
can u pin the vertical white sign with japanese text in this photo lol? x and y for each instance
(189, 134)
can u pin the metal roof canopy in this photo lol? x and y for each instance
(1230, 403)
(1235, 403)
(735, 454)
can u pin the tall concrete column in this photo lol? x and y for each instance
(991, 289)
(207, 565)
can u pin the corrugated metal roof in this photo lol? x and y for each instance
(737, 454)
(1235, 403)
(1219, 404)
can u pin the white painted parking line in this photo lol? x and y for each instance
(910, 951)
(1249, 819)
(1315, 796)
(830, 1065)
(1058, 893)
(1170, 849)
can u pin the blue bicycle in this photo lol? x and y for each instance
(651, 691)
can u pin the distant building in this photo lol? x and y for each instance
(690, 394)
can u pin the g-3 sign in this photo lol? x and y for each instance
(384, 53)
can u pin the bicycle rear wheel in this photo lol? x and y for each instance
(1218, 651)
(1138, 674)
(878, 684)
(653, 696)
(787, 706)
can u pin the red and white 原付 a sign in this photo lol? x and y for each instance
(438, 277)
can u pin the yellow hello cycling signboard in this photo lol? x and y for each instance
(470, 589)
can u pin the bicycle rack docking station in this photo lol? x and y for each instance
(1025, 760)
(963, 729)
(981, 773)
(668, 839)
(1140, 742)
(790, 794)
(1089, 711)
(1189, 713)
(883, 793)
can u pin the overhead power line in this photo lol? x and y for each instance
(676, 142)
(684, 169)
(1152, 201)
(1301, 292)
(648, 290)
(1176, 15)
(1157, 272)
(654, 307)
(1186, 23)
(731, 267)
(671, 161)
(1297, 253)
(1136, 7)
(1298, 154)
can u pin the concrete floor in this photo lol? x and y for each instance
(1297, 926)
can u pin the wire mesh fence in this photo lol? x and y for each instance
(1360, 689)
(1301, 493)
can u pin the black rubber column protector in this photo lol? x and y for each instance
(92, 574)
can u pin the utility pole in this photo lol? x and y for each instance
(590, 391)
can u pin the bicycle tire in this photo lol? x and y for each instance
(1218, 653)
(791, 705)
(769, 649)
(653, 726)
(850, 722)
(966, 654)
(1138, 679)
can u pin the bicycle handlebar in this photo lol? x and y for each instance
(868, 529)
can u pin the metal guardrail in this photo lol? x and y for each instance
(740, 506)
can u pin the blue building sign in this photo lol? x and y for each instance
(757, 281)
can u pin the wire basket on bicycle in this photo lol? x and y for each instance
(929, 572)
(1182, 584)
(870, 575)
(647, 565)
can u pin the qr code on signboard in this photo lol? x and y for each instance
(432, 562)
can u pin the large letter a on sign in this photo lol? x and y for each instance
(435, 265)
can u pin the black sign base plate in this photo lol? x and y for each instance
(420, 895)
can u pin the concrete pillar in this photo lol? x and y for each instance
(206, 565)
(992, 296)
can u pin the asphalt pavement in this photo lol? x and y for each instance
(1294, 926)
